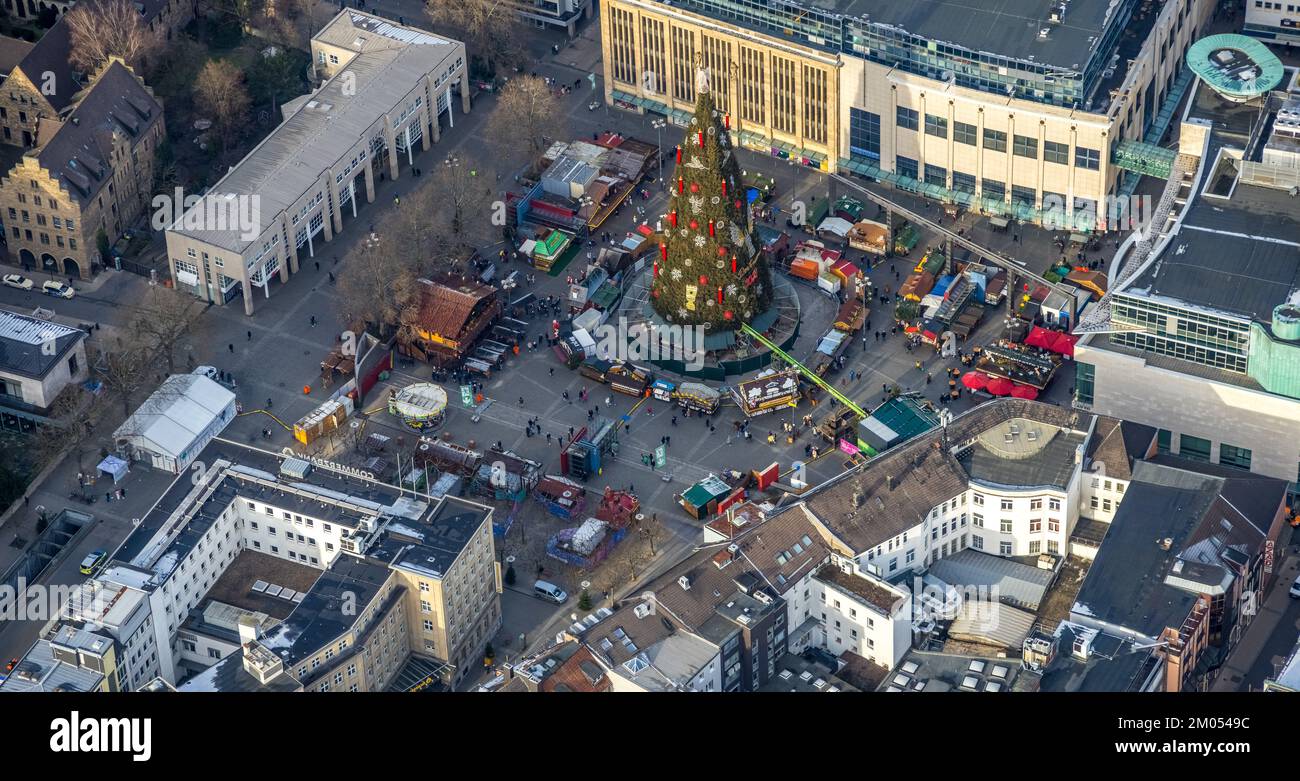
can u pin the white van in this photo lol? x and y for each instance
(549, 592)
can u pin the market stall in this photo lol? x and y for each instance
(1018, 364)
(764, 394)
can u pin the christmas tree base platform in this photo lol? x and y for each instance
(727, 353)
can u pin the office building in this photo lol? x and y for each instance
(1199, 336)
(1034, 110)
(384, 90)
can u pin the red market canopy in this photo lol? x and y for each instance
(975, 380)
(1024, 392)
(1063, 344)
(1039, 337)
(999, 386)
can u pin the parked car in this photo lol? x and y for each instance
(208, 371)
(1295, 588)
(19, 281)
(58, 289)
(92, 560)
(549, 592)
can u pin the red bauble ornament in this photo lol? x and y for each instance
(704, 280)
(727, 314)
(654, 293)
(694, 225)
(695, 187)
(722, 252)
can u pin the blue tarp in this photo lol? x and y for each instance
(941, 286)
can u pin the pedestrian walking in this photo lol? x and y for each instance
(250, 336)
(318, 265)
(313, 321)
(232, 348)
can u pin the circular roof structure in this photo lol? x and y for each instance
(1235, 66)
(421, 401)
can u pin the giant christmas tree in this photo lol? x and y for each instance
(709, 270)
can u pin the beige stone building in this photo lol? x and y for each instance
(90, 172)
(385, 89)
(1023, 119)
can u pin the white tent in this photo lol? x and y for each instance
(176, 422)
(835, 225)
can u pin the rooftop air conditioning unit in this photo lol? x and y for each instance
(684, 582)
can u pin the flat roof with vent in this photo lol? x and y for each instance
(288, 164)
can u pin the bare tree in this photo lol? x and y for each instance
(124, 367)
(527, 112)
(379, 282)
(491, 29)
(243, 11)
(219, 92)
(462, 204)
(166, 317)
(651, 530)
(73, 430)
(292, 23)
(100, 29)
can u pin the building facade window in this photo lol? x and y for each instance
(908, 167)
(963, 133)
(907, 118)
(1231, 455)
(1025, 146)
(1195, 448)
(995, 140)
(1087, 158)
(936, 175)
(864, 134)
(936, 126)
(1085, 378)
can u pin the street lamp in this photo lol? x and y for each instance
(659, 125)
